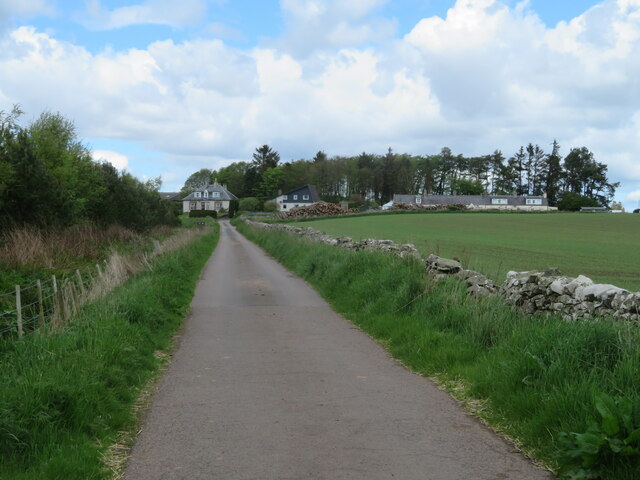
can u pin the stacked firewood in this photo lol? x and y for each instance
(319, 209)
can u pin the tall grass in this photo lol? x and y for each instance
(65, 396)
(29, 246)
(530, 377)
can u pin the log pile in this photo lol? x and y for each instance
(319, 209)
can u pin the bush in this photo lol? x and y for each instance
(233, 208)
(250, 204)
(573, 202)
(270, 206)
(203, 213)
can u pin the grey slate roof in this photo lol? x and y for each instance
(313, 192)
(216, 187)
(466, 199)
(170, 196)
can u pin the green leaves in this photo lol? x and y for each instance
(615, 435)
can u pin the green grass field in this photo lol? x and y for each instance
(604, 247)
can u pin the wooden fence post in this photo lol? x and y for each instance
(80, 282)
(99, 270)
(19, 311)
(40, 305)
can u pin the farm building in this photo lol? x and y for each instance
(480, 202)
(210, 197)
(302, 196)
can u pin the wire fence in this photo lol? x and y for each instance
(50, 303)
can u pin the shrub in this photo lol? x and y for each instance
(233, 208)
(203, 213)
(250, 204)
(270, 206)
(573, 202)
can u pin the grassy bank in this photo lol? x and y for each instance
(66, 395)
(531, 378)
(601, 246)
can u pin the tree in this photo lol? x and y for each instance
(554, 174)
(571, 201)
(462, 186)
(264, 158)
(197, 180)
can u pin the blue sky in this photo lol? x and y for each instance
(164, 88)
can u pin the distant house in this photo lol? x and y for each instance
(210, 197)
(480, 202)
(298, 197)
(171, 196)
(594, 209)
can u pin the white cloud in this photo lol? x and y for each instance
(634, 196)
(9, 8)
(114, 158)
(162, 12)
(485, 77)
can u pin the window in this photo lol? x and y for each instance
(284, 206)
(295, 197)
(218, 205)
(203, 205)
(206, 194)
(284, 197)
(534, 201)
(305, 197)
(418, 200)
(499, 201)
(198, 194)
(193, 206)
(215, 194)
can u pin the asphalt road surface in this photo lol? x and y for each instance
(270, 383)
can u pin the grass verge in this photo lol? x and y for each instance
(531, 378)
(66, 395)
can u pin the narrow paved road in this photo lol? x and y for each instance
(270, 383)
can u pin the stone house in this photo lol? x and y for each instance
(210, 197)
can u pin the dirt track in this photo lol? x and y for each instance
(270, 383)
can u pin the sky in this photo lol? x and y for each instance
(165, 88)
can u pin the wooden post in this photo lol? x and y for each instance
(19, 311)
(55, 284)
(62, 316)
(74, 297)
(80, 283)
(99, 270)
(40, 305)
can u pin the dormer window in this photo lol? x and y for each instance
(499, 201)
(305, 197)
(418, 200)
(206, 194)
(215, 194)
(284, 197)
(295, 197)
(534, 201)
(198, 194)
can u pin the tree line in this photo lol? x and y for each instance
(570, 182)
(48, 179)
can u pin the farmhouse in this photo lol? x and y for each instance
(210, 197)
(302, 196)
(481, 202)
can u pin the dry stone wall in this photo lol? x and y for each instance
(533, 291)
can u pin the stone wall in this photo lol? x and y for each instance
(533, 292)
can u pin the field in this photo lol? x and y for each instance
(603, 247)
